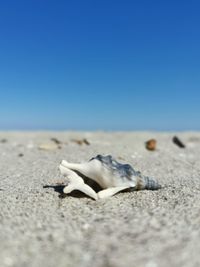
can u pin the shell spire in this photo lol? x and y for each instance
(145, 182)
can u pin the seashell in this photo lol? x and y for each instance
(151, 144)
(109, 174)
(48, 146)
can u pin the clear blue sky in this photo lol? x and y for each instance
(106, 64)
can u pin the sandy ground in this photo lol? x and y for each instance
(145, 228)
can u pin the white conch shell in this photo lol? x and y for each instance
(111, 175)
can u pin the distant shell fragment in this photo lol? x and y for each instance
(3, 141)
(81, 141)
(48, 146)
(56, 141)
(178, 142)
(151, 144)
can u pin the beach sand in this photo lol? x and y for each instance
(145, 228)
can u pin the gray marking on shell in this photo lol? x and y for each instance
(126, 171)
(123, 170)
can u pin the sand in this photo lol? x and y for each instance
(145, 228)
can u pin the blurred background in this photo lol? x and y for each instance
(99, 65)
